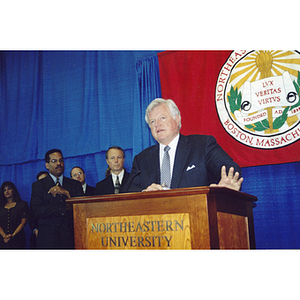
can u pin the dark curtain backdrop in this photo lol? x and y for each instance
(81, 102)
(148, 80)
(277, 211)
(85, 101)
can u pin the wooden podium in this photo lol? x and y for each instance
(188, 218)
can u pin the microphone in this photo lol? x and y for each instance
(130, 181)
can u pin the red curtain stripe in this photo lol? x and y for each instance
(190, 78)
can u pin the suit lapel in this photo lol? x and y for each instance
(182, 152)
(49, 181)
(110, 186)
(65, 183)
(125, 177)
(153, 164)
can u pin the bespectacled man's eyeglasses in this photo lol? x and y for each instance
(55, 160)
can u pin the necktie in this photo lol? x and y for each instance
(57, 181)
(165, 174)
(117, 185)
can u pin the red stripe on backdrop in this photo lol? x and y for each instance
(189, 78)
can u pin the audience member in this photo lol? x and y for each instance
(55, 219)
(116, 175)
(188, 161)
(77, 173)
(41, 175)
(13, 216)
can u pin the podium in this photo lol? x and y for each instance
(188, 218)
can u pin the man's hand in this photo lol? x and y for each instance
(153, 187)
(58, 190)
(231, 181)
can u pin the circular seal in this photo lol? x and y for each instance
(257, 97)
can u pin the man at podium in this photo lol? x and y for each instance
(179, 161)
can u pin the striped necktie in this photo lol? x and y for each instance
(165, 174)
(117, 186)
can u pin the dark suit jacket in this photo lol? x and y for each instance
(90, 191)
(198, 162)
(55, 222)
(33, 224)
(106, 186)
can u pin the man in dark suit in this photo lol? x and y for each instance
(116, 175)
(194, 160)
(48, 195)
(77, 173)
(32, 220)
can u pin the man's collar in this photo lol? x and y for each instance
(55, 178)
(172, 144)
(121, 174)
(84, 187)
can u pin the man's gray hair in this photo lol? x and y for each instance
(171, 105)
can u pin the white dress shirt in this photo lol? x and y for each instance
(120, 175)
(84, 187)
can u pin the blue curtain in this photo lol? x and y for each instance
(81, 102)
(20, 87)
(147, 70)
(277, 211)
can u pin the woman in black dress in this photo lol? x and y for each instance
(13, 216)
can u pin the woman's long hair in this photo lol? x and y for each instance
(16, 195)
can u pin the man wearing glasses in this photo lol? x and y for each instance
(77, 173)
(48, 204)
